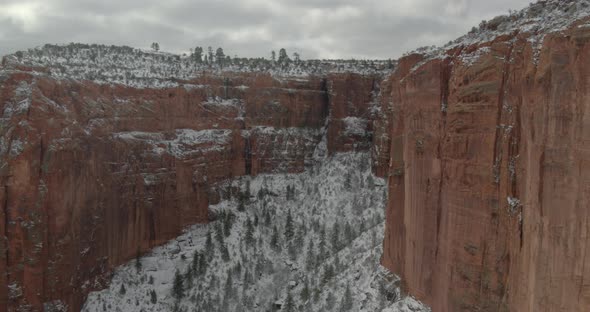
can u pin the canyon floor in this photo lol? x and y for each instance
(328, 264)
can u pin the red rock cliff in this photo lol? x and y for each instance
(489, 175)
(93, 174)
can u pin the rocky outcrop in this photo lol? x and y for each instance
(93, 174)
(489, 174)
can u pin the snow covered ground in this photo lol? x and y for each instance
(287, 242)
(150, 69)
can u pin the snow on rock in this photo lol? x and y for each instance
(283, 241)
(355, 126)
(537, 20)
(183, 143)
(149, 69)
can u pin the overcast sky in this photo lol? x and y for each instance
(314, 28)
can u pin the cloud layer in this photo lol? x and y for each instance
(314, 28)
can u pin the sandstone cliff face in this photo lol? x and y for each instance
(93, 174)
(489, 175)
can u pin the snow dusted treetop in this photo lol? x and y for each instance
(154, 68)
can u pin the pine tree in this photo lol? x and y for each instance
(349, 233)
(209, 245)
(219, 232)
(267, 219)
(305, 291)
(210, 52)
(188, 278)
(362, 228)
(203, 263)
(289, 227)
(322, 245)
(249, 235)
(224, 252)
(347, 302)
(274, 240)
(151, 280)
(289, 303)
(155, 46)
(177, 286)
(195, 263)
(220, 56)
(328, 274)
(330, 300)
(153, 297)
(283, 57)
(228, 285)
(138, 261)
(198, 55)
(310, 260)
(228, 223)
(336, 245)
(122, 290)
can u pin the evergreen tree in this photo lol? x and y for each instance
(249, 235)
(228, 223)
(347, 302)
(267, 219)
(328, 274)
(195, 263)
(209, 245)
(203, 263)
(122, 290)
(310, 260)
(228, 285)
(188, 278)
(153, 297)
(289, 227)
(274, 240)
(198, 55)
(219, 232)
(283, 57)
(241, 203)
(322, 244)
(224, 252)
(155, 46)
(349, 233)
(177, 286)
(300, 237)
(210, 52)
(151, 280)
(362, 226)
(273, 56)
(138, 261)
(220, 56)
(289, 303)
(305, 291)
(336, 245)
(330, 301)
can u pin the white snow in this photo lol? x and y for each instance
(355, 126)
(336, 190)
(182, 143)
(536, 21)
(148, 69)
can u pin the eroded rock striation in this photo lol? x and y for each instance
(485, 144)
(94, 173)
(489, 173)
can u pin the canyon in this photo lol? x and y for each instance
(485, 145)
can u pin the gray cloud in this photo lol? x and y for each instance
(314, 28)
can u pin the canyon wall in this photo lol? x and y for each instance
(489, 175)
(93, 174)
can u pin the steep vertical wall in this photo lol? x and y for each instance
(489, 175)
(92, 174)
